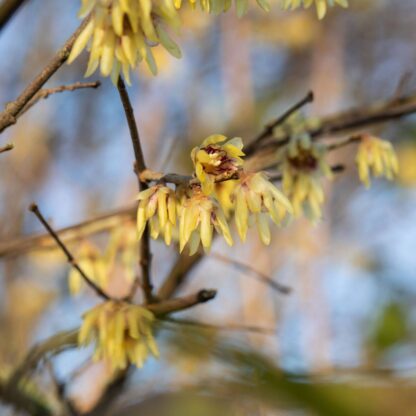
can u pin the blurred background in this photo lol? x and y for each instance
(343, 341)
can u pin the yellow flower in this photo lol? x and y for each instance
(321, 5)
(303, 165)
(199, 216)
(122, 333)
(256, 195)
(93, 263)
(160, 200)
(220, 6)
(376, 157)
(121, 32)
(217, 159)
(223, 194)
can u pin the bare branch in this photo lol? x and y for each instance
(7, 10)
(145, 254)
(34, 208)
(254, 273)
(12, 110)
(75, 232)
(6, 148)
(268, 130)
(225, 327)
(45, 93)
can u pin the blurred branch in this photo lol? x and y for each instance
(95, 225)
(343, 143)
(140, 166)
(13, 109)
(71, 260)
(268, 130)
(277, 176)
(6, 148)
(182, 266)
(69, 339)
(20, 400)
(7, 10)
(225, 327)
(254, 273)
(45, 93)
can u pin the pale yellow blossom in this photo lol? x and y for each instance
(303, 167)
(157, 205)
(122, 333)
(200, 215)
(256, 195)
(120, 34)
(217, 158)
(321, 5)
(376, 157)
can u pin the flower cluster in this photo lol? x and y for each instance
(321, 5)
(220, 188)
(122, 333)
(376, 157)
(120, 33)
(255, 195)
(160, 200)
(121, 253)
(303, 165)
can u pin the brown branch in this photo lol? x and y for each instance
(69, 339)
(45, 93)
(6, 148)
(12, 248)
(254, 273)
(268, 130)
(277, 177)
(12, 110)
(140, 166)
(7, 10)
(182, 266)
(71, 260)
(224, 327)
(20, 400)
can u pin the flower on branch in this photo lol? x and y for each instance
(217, 158)
(376, 157)
(158, 205)
(121, 33)
(121, 254)
(321, 5)
(199, 216)
(93, 263)
(256, 195)
(122, 333)
(303, 167)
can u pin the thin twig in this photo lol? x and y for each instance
(225, 327)
(343, 143)
(140, 166)
(254, 273)
(74, 232)
(277, 177)
(268, 130)
(34, 208)
(7, 10)
(12, 110)
(45, 93)
(6, 148)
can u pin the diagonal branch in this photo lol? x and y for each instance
(7, 10)
(12, 110)
(6, 148)
(140, 166)
(45, 93)
(34, 208)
